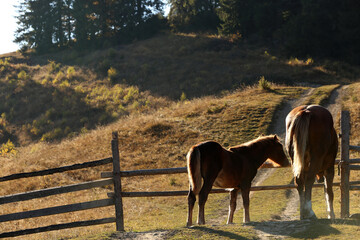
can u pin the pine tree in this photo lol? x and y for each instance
(58, 9)
(194, 15)
(35, 25)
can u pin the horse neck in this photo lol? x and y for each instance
(261, 152)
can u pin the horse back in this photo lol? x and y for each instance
(212, 155)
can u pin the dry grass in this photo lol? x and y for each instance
(155, 140)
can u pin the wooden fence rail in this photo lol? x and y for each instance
(115, 198)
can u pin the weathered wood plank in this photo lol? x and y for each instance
(161, 193)
(53, 191)
(143, 172)
(217, 190)
(354, 160)
(57, 170)
(119, 212)
(57, 227)
(354, 187)
(354, 148)
(153, 171)
(344, 167)
(146, 172)
(354, 167)
(57, 210)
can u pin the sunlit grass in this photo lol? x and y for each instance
(321, 95)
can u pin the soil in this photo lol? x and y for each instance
(288, 221)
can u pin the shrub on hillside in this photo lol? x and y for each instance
(264, 84)
(70, 72)
(112, 75)
(54, 67)
(7, 148)
(22, 75)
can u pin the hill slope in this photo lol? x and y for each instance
(51, 97)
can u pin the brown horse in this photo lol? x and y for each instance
(312, 145)
(233, 168)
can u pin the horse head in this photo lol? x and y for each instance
(277, 153)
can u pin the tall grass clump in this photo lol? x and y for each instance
(70, 72)
(7, 148)
(54, 67)
(264, 84)
(112, 75)
(22, 75)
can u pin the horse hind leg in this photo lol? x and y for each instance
(328, 191)
(245, 192)
(232, 206)
(203, 195)
(300, 189)
(191, 203)
(308, 212)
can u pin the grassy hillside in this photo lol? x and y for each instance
(78, 99)
(51, 97)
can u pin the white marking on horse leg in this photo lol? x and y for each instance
(230, 216)
(329, 207)
(308, 207)
(327, 202)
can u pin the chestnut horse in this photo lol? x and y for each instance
(312, 144)
(233, 168)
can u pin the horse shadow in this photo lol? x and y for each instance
(220, 233)
(304, 229)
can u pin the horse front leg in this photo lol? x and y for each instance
(329, 194)
(245, 192)
(191, 203)
(232, 206)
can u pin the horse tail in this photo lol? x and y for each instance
(299, 134)
(194, 169)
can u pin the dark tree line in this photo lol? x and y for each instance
(53, 24)
(301, 27)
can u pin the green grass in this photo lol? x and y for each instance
(321, 95)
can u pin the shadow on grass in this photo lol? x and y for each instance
(218, 232)
(304, 229)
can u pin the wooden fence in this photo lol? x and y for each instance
(115, 198)
(346, 164)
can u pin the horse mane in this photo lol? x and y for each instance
(260, 141)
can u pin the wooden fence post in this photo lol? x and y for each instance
(344, 163)
(117, 183)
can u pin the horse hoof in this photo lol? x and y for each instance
(311, 217)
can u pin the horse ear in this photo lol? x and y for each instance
(276, 138)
